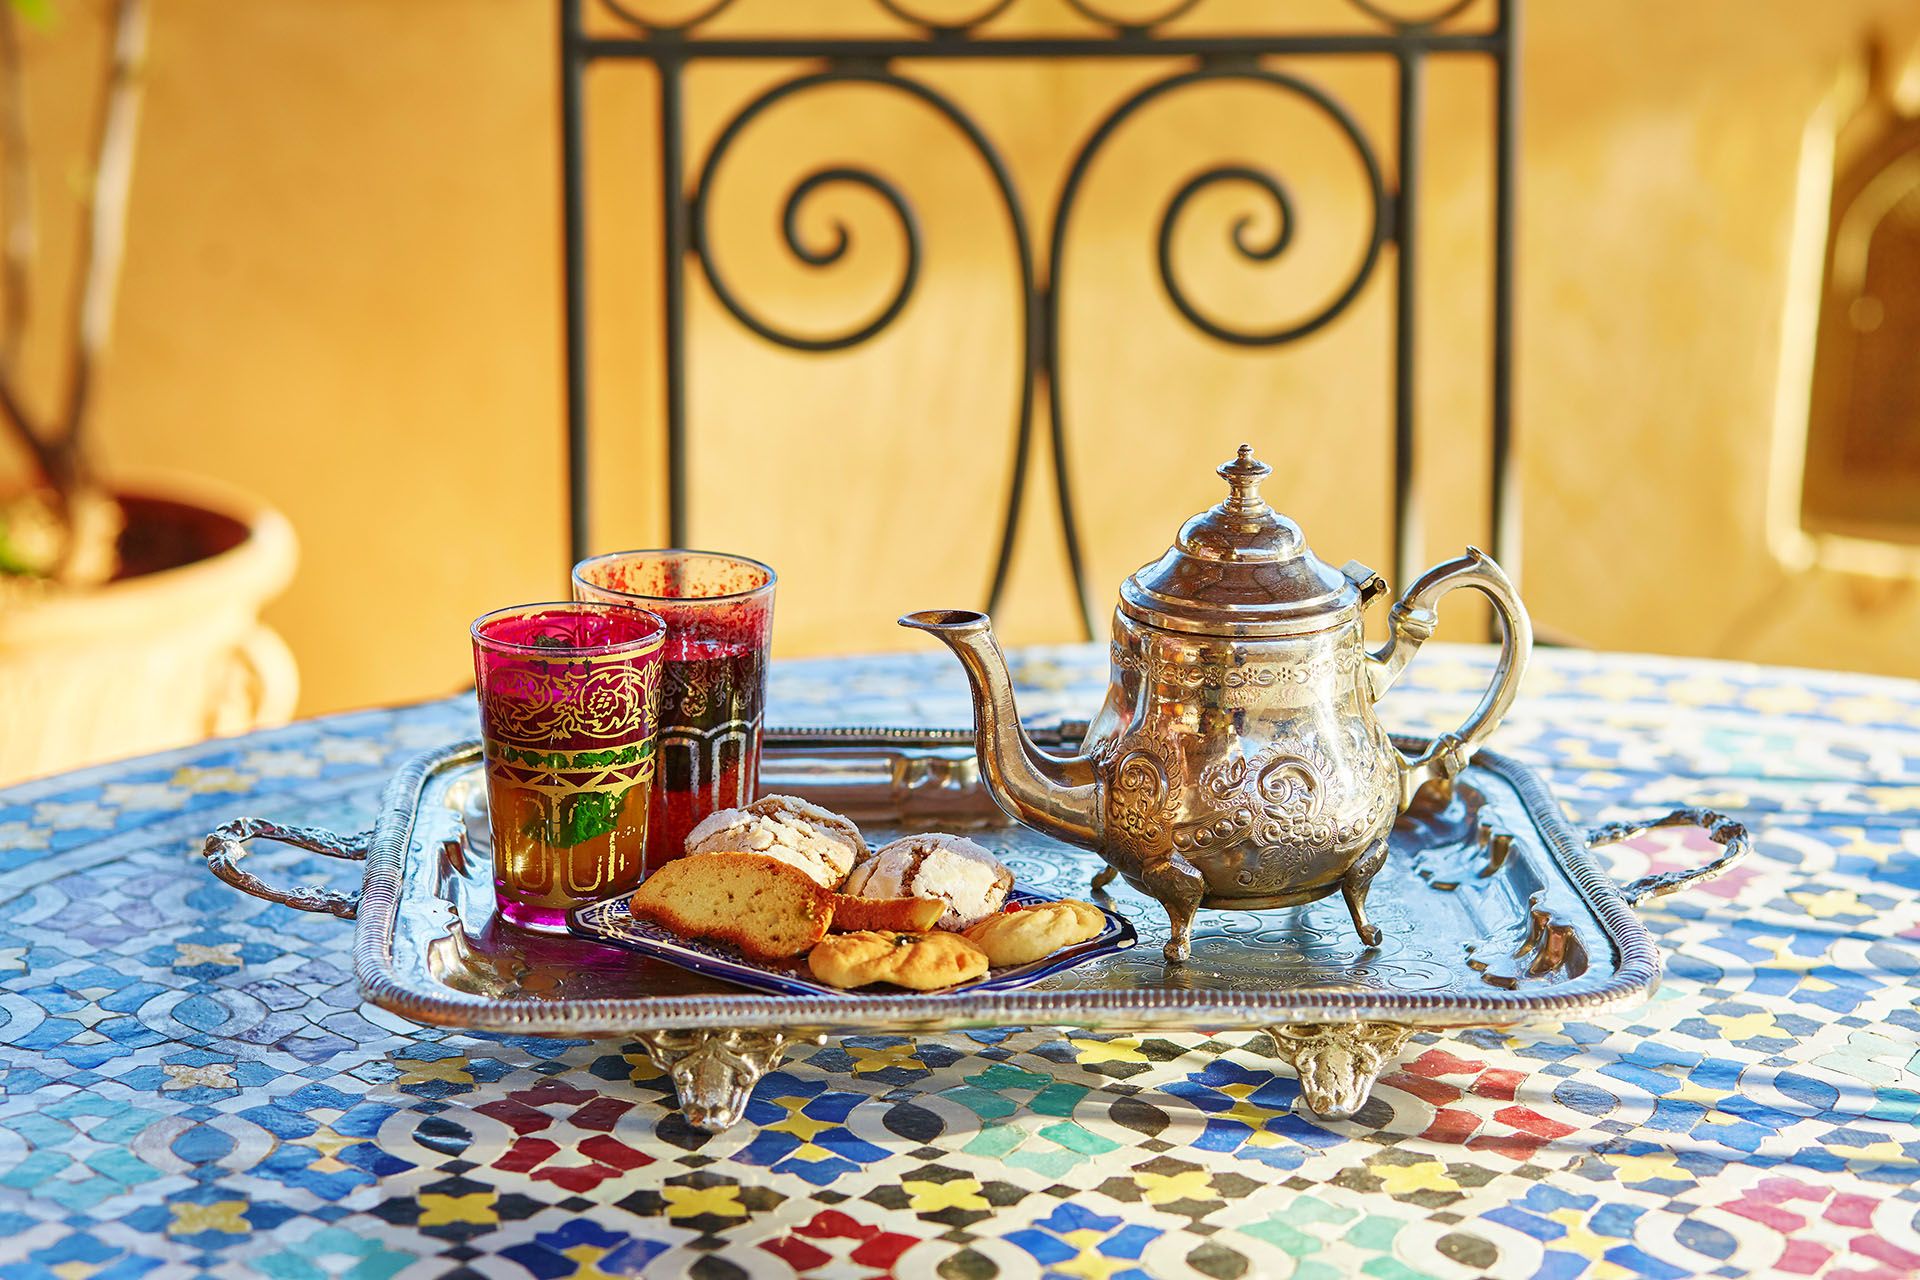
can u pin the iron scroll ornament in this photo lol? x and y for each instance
(1261, 180)
(1437, 18)
(1093, 13)
(850, 175)
(947, 26)
(1030, 340)
(1040, 336)
(627, 13)
(902, 210)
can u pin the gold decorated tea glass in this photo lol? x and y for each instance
(569, 697)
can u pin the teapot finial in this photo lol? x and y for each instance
(1243, 475)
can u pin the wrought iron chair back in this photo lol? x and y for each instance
(1409, 43)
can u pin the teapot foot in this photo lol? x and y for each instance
(1177, 886)
(1354, 886)
(1180, 913)
(1106, 877)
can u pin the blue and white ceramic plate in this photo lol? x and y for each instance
(611, 922)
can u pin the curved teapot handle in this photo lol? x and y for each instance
(1411, 624)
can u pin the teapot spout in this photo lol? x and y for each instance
(1053, 794)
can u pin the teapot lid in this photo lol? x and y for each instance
(1242, 568)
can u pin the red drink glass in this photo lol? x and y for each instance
(569, 695)
(713, 685)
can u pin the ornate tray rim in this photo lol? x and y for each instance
(1635, 978)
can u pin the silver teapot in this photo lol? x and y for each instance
(1237, 761)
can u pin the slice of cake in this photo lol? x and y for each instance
(769, 909)
(900, 915)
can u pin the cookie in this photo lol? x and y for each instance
(972, 882)
(905, 915)
(1032, 933)
(919, 961)
(767, 908)
(818, 841)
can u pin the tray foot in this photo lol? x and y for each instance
(714, 1072)
(1338, 1062)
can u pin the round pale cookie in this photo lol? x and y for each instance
(1035, 932)
(971, 881)
(918, 961)
(818, 841)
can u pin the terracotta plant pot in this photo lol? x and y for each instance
(170, 652)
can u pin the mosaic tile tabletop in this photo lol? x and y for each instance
(189, 1084)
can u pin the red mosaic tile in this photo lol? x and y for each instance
(1499, 1082)
(1427, 1090)
(1438, 1062)
(877, 1249)
(1850, 1211)
(1884, 1251)
(1803, 1258)
(1527, 1120)
(1452, 1126)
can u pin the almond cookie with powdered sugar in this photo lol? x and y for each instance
(972, 882)
(818, 841)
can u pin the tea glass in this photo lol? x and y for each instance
(569, 694)
(713, 689)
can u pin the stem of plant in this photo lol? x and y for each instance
(106, 222)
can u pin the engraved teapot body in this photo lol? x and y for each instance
(1237, 761)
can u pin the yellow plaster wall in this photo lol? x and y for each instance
(342, 292)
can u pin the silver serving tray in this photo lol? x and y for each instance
(1494, 912)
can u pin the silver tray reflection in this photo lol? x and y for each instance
(1493, 910)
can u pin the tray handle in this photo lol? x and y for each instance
(1724, 831)
(228, 844)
